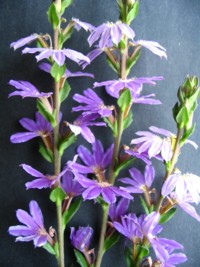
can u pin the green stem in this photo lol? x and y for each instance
(57, 157)
(102, 237)
(112, 175)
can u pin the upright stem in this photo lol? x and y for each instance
(113, 165)
(57, 158)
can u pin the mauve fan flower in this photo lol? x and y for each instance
(184, 202)
(57, 55)
(153, 143)
(80, 126)
(139, 183)
(26, 89)
(134, 152)
(154, 47)
(93, 104)
(110, 33)
(183, 184)
(41, 181)
(39, 127)
(81, 238)
(78, 24)
(47, 68)
(92, 55)
(23, 41)
(32, 228)
(116, 210)
(113, 87)
(95, 162)
(71, 187)
(94, 188)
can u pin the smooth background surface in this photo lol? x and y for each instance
(175, 25)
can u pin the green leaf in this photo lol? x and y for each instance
(65, 4)
(53, 16)
(142, 251)
(64, 37)
(111, 241)
(65, 143)
(57, 71)
(123, 165)
(144, 205)
(64, 91)
(128, 257)
(68, 214)
(113, 66)
(132, 61)
(175, 110)
(80, 258)
(106, 120)
(56, 249)
(49, 248)
(45, 113)
(167, 216)
(129, 119)
(187, 134)
(182, 117)
(57, 195)
(124, 100)
(132, 14)
(46, 153)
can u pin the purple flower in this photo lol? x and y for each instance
(32, 228)
(71, 187)
(26, 89)
(146, 99)
(80, 126)
(57, 55)
(183, 184)
(96, 188)
(153, 143)
(110, 33)
(39, 127)
(47, 68)
(23, 41)
(139, 183)
(154, 47)
(164, 249)
(80, 24)
(133, 227)
(95, 162)
(119, 209)
(92, 55)
(93, 104)
(41, 181)
(81, 238)
(134, 152)
(113, 87)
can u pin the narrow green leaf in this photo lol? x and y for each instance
(57, 195)
(57, 71)
(132, 14)
(182, 117)
(128, 257)
(68, 214)
(56, 249)
(144, 205)
(49, 248)
(187, 134)
(106, 120)
(65, 143)
(80, 258)
(46, 153)
(45, 113)
(53, 16)
(123, 165)
(132, 61)
(111, 241)
(64, 37)
(142, 251)
(129, 119)
(64, 91)
(124, 100)
(167, 216)
(65, 4)
(113, 66)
